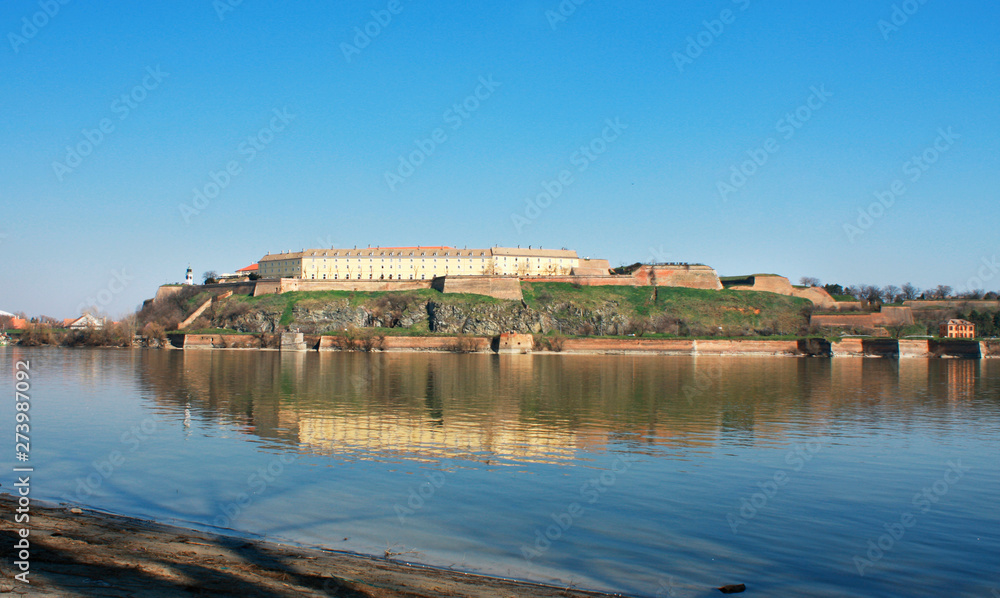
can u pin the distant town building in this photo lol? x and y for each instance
(424, 263)
(958, 329)
(189, 277)
(86, 321)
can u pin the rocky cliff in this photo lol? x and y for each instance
(546, 308)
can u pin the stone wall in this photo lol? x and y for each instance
(913, 348)
(590, 267)
(500, 287)
(512, 342)
(843, 320)
(166, 291)
(679, 275)
(748, 347)
(781, 286)
(420, 343)
(961, 304)
(889, 316)
(588, 281)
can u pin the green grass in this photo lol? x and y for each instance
(704, 307)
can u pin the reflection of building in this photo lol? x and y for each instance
(960, 376)
(958, 329)
(414, 435)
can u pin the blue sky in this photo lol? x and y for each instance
(309, 123)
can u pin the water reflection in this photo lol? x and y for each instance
(511, 409)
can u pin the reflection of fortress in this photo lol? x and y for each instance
(415, 436)
(509, 409)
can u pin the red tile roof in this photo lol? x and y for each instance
(250, 268)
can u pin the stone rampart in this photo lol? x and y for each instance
(420, 343)
(848, 347)
(913, 348)
(679, 275)
(961, 304)
(781, 286)
(513, 342)
(747, 347)
(500, 287)
(843, 320)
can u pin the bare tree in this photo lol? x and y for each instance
(910, 292)
(871, 293)
(809, 281)
(210, 277)
(942, 291)
(891, 293)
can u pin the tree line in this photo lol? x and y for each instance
(874, 294)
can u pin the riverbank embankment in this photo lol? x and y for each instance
(526, 343)
(82, 553)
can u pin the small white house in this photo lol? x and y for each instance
(87, 321)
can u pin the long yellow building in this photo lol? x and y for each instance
(421, 263)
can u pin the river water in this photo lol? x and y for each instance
(648, 475)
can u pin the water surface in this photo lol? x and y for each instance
(651, 475)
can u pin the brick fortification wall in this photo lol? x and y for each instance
(500, 287)
(889, 316)
(679, 275)
(672, 275)
(287, 285)
(781, 286)
(954, 303)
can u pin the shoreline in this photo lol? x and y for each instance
(87, 553)
(755, 347)
(872, 347)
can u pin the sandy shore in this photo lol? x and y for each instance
(96, 554)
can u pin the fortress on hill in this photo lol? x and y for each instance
(495, 272)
